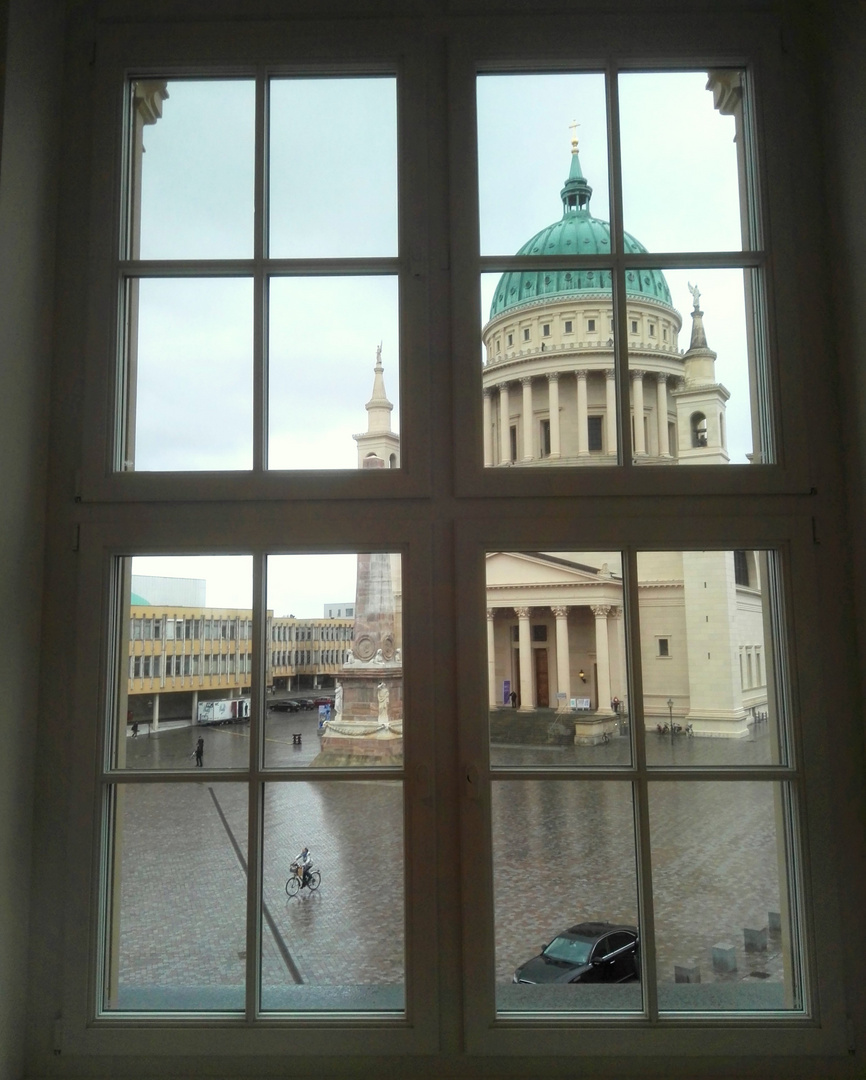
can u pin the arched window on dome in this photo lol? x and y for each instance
(699, 429)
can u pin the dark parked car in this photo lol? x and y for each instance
(284, 705)
(589, 952)
(306, 703)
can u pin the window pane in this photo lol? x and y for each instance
(679, 154)
(724, 926)
(557, 686)
(175, 921)
(190, 374)
(332, 341)
(193, 150)
(333, 167)
(708, 658)
(528, 143)
(335, 685)
(549, 383)
(338, 942)
(693, 379)
(565, 895)
(186, 685)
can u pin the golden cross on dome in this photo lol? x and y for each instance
(574, 126)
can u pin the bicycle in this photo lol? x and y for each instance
(295, 881)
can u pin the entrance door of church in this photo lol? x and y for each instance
(542, 690)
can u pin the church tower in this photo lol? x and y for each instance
(700, 402)
(378, 446)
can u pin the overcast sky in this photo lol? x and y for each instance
(333, 192)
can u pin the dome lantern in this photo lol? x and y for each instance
(577, 192)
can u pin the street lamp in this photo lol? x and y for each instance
(671, 716)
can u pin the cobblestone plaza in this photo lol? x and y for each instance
(563, 852)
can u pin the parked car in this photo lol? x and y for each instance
(284, 705)
(589, 952)
(323, 700)
(306, 703)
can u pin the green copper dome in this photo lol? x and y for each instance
(576, 233)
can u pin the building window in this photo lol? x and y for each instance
(664, 646)
(510, 340)
(590, 326)
(568, 326)
(545, 330)
(526, 333)
(741, 568)
(634, 326)
(652, 330)
(595, 436)
(545, 438)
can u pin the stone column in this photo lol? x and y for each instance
(662, 410)
(553, 400)
(491, 660)
(618, 685)
(194, 706)
(563, 678)
(504, 425)
(602, 656)
(639, 447)
(582, 421)
(524, 642)
(526, 383)
(154, 718)
(488, 430)
(610, 410)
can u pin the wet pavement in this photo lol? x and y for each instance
(564, 852)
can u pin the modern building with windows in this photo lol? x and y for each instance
(181, 654)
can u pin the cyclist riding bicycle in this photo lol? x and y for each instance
(304, 861)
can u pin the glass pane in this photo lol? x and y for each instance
(190, 374)
(332, 340)
(334, 940)
(549, 382)
(335, 672)
(185, 663)
(542, 156)
(724, 926)
(708, 658)
(333, 167)
(192, 169)
(565, 896)
(556, 671)
(680, 173)
(693, 379)
(176, 906)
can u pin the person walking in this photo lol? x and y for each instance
(199, 752)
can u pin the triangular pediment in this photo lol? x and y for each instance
(508, 568)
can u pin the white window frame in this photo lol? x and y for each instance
(117, 520)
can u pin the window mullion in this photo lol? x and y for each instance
(260, 299)
(255, 793)
(634, 676)
(620, 337)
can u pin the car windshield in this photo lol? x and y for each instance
(573, 950)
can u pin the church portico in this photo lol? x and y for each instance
(553, 655)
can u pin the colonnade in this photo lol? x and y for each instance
(606, 616)
(525, 452)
